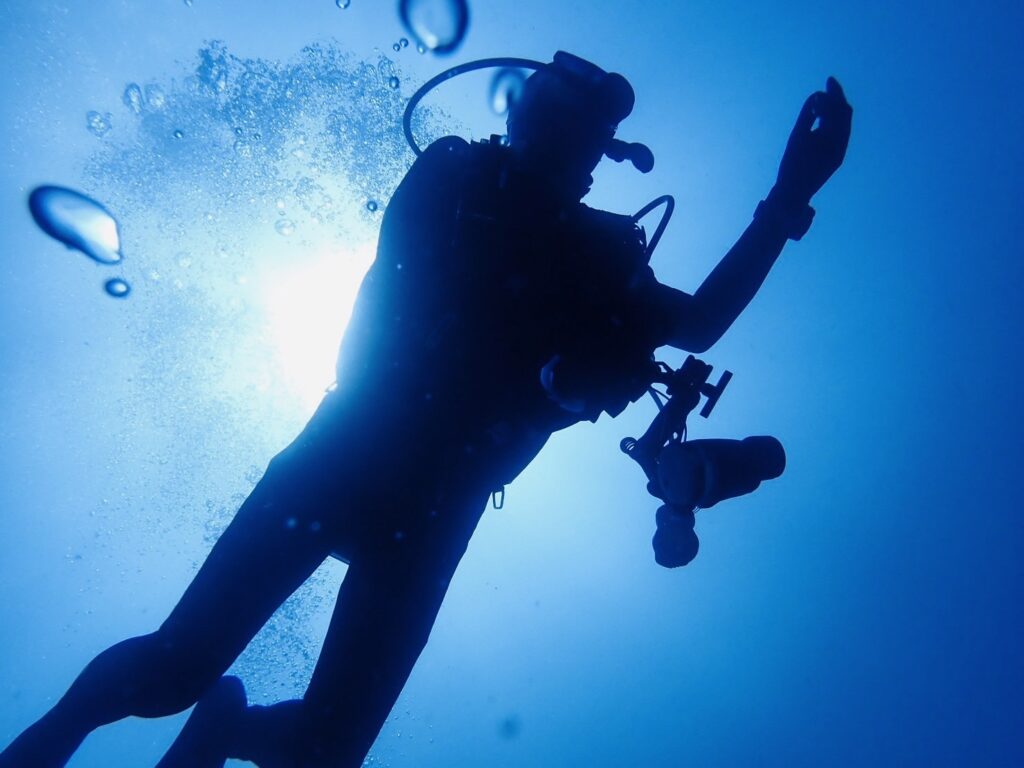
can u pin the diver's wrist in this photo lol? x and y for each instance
(783, 215)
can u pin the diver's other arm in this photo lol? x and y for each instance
(812, 155)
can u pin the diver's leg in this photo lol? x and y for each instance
(267, 551)
(385, 611)
(380, 626)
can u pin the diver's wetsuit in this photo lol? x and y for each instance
(478, 284)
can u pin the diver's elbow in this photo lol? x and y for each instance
(698, 335)
(688, 341)
(700, 346)
(693, 324)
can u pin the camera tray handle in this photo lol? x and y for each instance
(713, 392)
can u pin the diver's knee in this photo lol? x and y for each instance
(180, 673)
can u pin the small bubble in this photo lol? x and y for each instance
(238, 131)
(98, 124)
(393, 82)
(421, 48)
(179, 134)
(343, 4)
(291, 523)
(506, 86)
(188, 3)
(404, 42)
(396, 47)
(132, 98)
(371, 206)
(285, 227)
(155, 97)
(117, 288)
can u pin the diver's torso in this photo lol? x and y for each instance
(476, 287)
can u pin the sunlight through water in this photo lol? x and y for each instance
(307, 308)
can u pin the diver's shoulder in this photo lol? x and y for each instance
(446, 146)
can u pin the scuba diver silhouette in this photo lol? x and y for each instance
(499, 310)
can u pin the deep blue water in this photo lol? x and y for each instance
(864, 609)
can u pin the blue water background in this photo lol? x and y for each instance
(864, 609)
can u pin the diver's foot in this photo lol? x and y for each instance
(204, 741)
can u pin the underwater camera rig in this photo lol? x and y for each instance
(692, 475)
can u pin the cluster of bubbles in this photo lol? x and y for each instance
(255, 101)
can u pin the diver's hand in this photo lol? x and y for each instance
(812, 156)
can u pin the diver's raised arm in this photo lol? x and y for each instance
(812, 155)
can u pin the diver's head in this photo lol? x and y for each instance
(565, 119)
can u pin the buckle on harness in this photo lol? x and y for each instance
(498, 498)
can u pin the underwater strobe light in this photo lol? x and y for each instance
(696, 474)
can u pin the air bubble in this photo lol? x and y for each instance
(117, 288)
(179, 134)
(393, 82)
(77, 221)
(132, 98)
(98, 124)
(343, 4)
(371, 206)
(155, 97)
(285, 227)
(506, 87)
(439, 25)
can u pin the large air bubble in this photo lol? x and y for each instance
(77, 221)
(438, 25)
